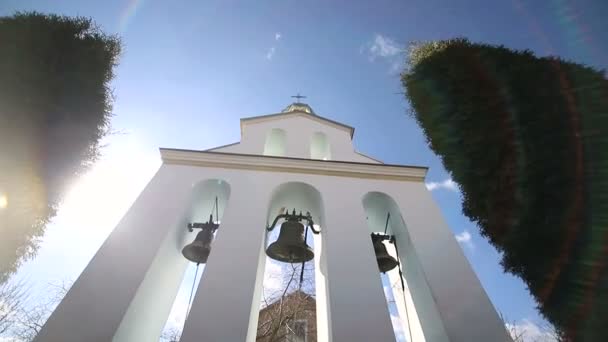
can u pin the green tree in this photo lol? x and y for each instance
(526, 138)
(55, 106)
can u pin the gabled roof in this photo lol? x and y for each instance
(297, 112)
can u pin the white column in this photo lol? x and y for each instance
(95, 305)
(358, 309)
(222, 308)
(426, 308)
(148, 312)
(408, 317)
(464, 308)
(322, 295)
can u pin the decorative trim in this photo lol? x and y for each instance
(293, 165)
(255, 119)
(366, 156)
(227, 145)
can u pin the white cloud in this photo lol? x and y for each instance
(382, 46)
(270, 53)
(447, 184)
(398, 328)
(272, 49)
(387, 49)
(527, 331)
(273, 278)
(465, 239)
(177, 316)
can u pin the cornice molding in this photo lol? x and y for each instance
(293, 165)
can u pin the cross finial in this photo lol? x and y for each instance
(298, 97)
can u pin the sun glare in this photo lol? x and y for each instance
(101, 197)
(3, 201)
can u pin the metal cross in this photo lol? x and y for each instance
(299, 97)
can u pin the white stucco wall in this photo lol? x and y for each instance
(299, 130)
(222, 308)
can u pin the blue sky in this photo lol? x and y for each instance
(191, 69)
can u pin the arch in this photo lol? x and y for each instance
(202, 205)
(423, 318)
(299, 196)
(203, 199)
(306, 198)
(319, 146)
(276, 143)
(152, 304)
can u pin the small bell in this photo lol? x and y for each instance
(385, 261)
(290, 246)
(198, 251)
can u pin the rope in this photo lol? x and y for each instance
(388, 217)
(214, 207)
(192, 291)
(302, 271)
(407, 315)
(217, 208)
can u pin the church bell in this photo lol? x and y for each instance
(291, 246)
(198, 250)
(385, 261)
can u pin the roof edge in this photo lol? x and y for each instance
(222, 146)
(366, 156)
(350, 128)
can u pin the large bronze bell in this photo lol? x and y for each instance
(198, 251)
(385, 261)
(290, 246)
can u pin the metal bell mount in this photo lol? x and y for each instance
(198, 250)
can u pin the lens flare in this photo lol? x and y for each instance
(3, 201)
(128, 13)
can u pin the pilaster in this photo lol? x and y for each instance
(222, 307)
(357, 305)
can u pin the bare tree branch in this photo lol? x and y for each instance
(21, 320)
(284, 306)
(11, 299)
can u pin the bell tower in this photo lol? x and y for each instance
(298, 172)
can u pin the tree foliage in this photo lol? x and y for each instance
(55, 105)
(527, 140)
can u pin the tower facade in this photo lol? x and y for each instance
(293, 159)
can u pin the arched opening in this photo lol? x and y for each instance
(384, 216)
(319, 146)
(209, 200)
(293, 304)
(276, 143)
(158, 305)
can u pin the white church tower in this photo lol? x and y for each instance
(293, 159)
